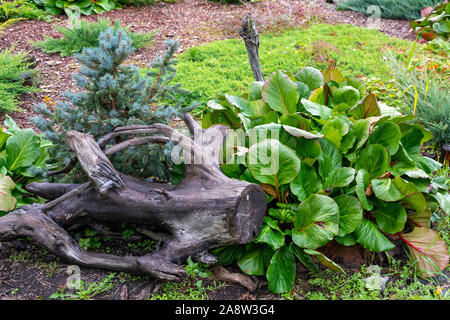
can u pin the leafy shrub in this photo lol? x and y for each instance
(335, 164)
(114, 95)
(139, 3)
(86, 7)
(20, 9)
(234, 1)
(23, 157)
(391, 9)
(434, 25)
(13, 67)
(86, 36)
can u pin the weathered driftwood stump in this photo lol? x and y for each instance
(206, 210)
(250, 35)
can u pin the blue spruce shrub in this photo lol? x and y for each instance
(113, 94)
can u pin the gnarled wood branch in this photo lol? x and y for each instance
(206, 210)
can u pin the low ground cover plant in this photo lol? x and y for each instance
(355, 51)
(85, 35)
(15, 70)
(23, 159)
(349, 169)
(22, 9)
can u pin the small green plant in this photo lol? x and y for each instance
(86, 291)
(20, 9)
(14, 67)
(90, 241)
(23, 157)
(434, 25)
(335, 164)
(391, 9)
(86, 36)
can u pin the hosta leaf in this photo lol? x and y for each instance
(362, 182)
(386, 190)
(391, 218)
(280, 93)
(296, 121)
(273, 238)
(339, 177)
(333, 74)
(7, 200)
(368, 235)
(350, 213)
(388, 135)
(311, 77)
(316, 222)
(22, 149)
(272, 162)
(255, 261)
(281, 271)
(365, 109)
(427, 249)
(374, 159)
(304, 258)
(299, 133)
(306, 182)
(323, 260)
(412, 141)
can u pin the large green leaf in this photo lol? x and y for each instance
(365, 109)
(361, 129)
(350, 213)
(306, 182)
(7, 200)
(362, 182)
(255, 261)
(413, 198)
(311, 77)
(272, 162)
(368, 235)
(281, 271)
(323, 260)
(280, 93)
(274, 238)
(308, 150)
(22, 149)
(329, 159)
(443, 198)
(388, 135)
(335, 129)
(229, 254)
(316, 222)
(339, 177)
(391, 218)
(374, 159)
(347, 95)
(255, 90)
(386, 190)
(315, 109)
(303, 257)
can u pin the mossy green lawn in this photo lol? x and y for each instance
(222, 66)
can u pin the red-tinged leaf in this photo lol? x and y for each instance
(427, 249)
